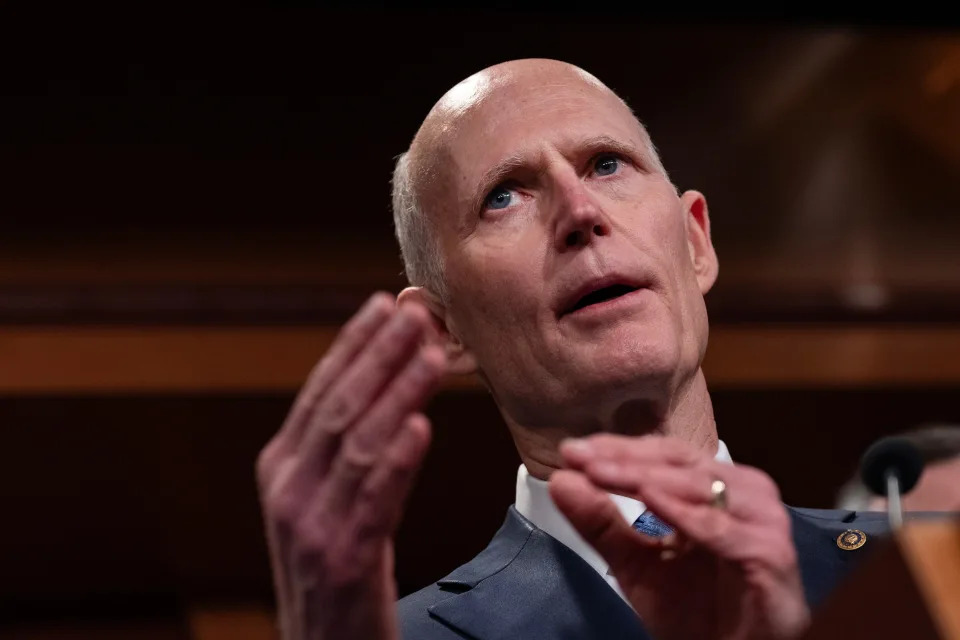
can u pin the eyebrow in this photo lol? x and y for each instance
(592, 145)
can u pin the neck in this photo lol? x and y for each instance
(687, 415)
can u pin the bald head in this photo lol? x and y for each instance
(505, 87)
(424, 174)
(509, 83)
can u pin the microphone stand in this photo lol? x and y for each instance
(894, 508)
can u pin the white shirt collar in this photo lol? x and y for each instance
(535, 504)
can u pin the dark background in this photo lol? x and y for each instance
(195, 177)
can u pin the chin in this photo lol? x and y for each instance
(636, 364)
(592, 383)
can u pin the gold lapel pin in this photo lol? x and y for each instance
(851, 539)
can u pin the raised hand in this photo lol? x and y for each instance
(729, 571)
(334, 479)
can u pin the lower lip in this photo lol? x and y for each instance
(606, 307)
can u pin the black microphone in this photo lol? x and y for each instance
(891, 467)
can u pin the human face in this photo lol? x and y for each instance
(574, 273)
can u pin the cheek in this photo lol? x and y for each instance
(507, 264)
(664, 240)
(497, 287)
(661, 237)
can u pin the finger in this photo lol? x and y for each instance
(379, 506)
(352, 395)
(727, 536)
(364, 446)
(407, 393)
(747, 494)
(356, 333)
(597, 519)
(638, 450)
(717, 530)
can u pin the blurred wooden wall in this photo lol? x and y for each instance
(189, 217)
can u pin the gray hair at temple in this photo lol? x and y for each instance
(419, 248)
(936, 443)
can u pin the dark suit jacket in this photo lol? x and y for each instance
(527, 586)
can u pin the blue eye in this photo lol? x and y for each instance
(499, 198)
(606, 165)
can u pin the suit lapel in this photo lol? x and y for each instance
(527, 585)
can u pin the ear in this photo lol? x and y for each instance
(460, 360)
(702, 254)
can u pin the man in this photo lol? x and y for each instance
(548, 251)
(939, 486)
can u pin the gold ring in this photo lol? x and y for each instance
(718, 494)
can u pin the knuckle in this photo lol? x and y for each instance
(282, 504)
(284, 510)
(336, 412)
(368, 498)
(270, 463)
(357, 459)
(713, 525)
(372, 514)
(364, 442)
(311, 545)
(264, 466)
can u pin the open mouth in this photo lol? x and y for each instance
(601, 295)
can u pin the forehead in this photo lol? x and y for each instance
(524, 117)
(483, 121)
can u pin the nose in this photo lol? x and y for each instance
(578, 218)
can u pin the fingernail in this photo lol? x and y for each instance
(576, 446)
